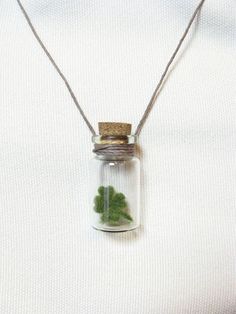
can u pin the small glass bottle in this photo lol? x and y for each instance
(115, 179)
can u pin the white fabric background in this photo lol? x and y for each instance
(182, 259)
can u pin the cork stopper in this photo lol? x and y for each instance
(114, 128)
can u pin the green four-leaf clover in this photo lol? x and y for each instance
(112, 206)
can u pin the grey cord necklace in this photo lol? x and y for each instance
(115, 169)
(157, 89)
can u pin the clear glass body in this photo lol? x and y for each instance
(115, 192)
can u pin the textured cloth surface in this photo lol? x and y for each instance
(182, 259)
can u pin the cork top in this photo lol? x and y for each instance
(114, 128)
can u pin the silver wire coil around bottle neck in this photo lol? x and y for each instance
(114, 146)
(114, 150)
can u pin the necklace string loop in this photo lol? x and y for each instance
(114, 150)
(156, 91)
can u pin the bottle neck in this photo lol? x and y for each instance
(115, 147)
(113, 158)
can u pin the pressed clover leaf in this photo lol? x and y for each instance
(112, 206)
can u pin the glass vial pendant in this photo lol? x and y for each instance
(115, 179)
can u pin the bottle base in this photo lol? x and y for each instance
(115, 229)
